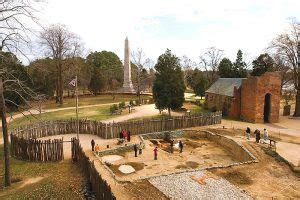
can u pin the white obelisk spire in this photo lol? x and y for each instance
(127, 84)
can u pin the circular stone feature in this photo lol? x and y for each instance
(126, 169)
(110, 159)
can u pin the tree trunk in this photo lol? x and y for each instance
(169, 111)
(297, 108)
(5, 136)
(60, 80)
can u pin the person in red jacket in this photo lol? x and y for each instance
(124, 135)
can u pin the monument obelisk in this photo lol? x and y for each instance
(127, 83)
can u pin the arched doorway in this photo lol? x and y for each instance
(267, 107)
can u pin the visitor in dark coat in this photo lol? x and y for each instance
(93, 144)
(257, 135)
(180, 146)
(135, 148)
(172, 145)
(128, 136)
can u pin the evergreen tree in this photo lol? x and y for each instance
(199, 83)
(110, 64)
(168, 87)
(97, 82)
(225, 69)
(239, 66)
(264, 63)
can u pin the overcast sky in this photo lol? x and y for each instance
(186, 27)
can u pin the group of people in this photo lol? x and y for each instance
(137, 148)
(123, 135)
(180, 144)
(95, 148)
(257, 135)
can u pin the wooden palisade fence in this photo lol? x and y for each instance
(36, 150)
(111, 130)
(100, 187)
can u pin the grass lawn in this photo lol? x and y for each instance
(94, 113)
(194, 108)
(158, 116)
(92, 100)
(61, 180)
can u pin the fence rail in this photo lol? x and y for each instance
(111, 130)
(100, 187)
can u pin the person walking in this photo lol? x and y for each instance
(257, 135)
(93, 144)
(172, 145)
(266, 136)
(248, 133)
(180, 146)
(155, 153)
(141, 148)
(128, 136)
(121, 135)
(135, 150)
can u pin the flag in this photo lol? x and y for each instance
(73, 82)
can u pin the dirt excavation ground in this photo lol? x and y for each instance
(269, 178)
(198, 153)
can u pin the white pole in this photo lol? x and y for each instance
(77, 120)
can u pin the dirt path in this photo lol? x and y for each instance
(286, 125)
(140, 111)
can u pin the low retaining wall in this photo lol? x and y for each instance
(236, 149)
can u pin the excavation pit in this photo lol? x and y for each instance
(202, 150)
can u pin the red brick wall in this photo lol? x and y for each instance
(221, 102)
(253, 93)
(235, 110)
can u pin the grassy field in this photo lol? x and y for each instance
(35, 180)
(94, 113)
(195, 109)
(92, 100)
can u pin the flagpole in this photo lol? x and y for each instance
(77, 120)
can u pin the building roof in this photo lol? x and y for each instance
(225, 86)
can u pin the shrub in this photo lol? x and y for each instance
(113, 108)
(150, 101)
(122, 105)
(137, 102)
(131, 102)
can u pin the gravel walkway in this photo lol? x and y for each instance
(181, 186)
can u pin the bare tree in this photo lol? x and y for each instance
(187, 66)
(142, 62)
(210, 61)
(14, 38)
(16, 19)
(60, 44)
(285, 46)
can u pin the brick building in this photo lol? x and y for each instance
(253, 99)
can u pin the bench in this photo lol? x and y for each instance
(272, 145)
